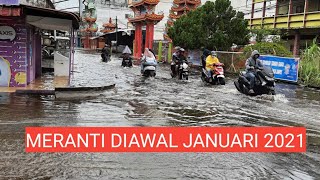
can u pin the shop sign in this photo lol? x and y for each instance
(9, 2)
(7, 33)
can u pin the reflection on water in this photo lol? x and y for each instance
(159, 102)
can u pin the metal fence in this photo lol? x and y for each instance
(233, 61)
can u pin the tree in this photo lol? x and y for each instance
(215, 25)
(262, 35)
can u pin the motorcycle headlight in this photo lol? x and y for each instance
(268, 78)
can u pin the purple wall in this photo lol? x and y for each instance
(15, 51)
(31, 55)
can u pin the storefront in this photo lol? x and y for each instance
(20, 42)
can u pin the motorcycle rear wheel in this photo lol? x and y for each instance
(222, 81)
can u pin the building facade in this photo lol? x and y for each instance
(298, 20)
(20, 40)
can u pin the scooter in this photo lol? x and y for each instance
(149, 68)
(217, 75)
(149, 71)
(126, 63)
(264, 82)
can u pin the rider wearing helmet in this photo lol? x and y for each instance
(210, 61)
(252, 64)
(177, 58)
(106, 52)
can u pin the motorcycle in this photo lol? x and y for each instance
(149, 71)
(217, 76)
(149, 68)
(264, 82)
(183, 71)
(105, 57)
(126, 63)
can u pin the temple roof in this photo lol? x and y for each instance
(169, 23)
(107, 30)
(147, 17)
(174, 16)
(142, 2)
(195, 2)
(109, 24)
(167, 38)
(182, 8)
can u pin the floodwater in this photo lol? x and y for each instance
(159, 102)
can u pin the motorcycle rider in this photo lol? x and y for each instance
(148, 59)
(126, 56)
(210, 61)
(105, 52)
(252, 64)
(204, 56)
(177, 60)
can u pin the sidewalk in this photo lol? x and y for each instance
(43, 83)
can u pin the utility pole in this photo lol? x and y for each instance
(116, 33)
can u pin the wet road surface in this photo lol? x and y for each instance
(157, 102)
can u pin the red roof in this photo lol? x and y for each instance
(147, 17)
(142, 2)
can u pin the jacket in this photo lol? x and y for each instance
(210, 61)
(253, 63)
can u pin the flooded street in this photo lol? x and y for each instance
(157, 102)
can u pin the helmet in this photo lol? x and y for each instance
(177, 48)
(213, 53)
(181, 49)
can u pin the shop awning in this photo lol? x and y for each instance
(51, 19)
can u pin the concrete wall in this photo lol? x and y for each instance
(14, 52)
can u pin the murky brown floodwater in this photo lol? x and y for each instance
(159, 102)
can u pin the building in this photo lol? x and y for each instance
(88, 26)
(21, 29)
(179, 8)
(144, 17)
(298, 20)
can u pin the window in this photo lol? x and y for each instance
(299, 9)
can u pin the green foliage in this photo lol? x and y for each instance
(274, 49)
(310, 66)
(215, 25)
(262, 33)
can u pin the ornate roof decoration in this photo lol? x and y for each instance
(142, 2)
(195, 2)
(147, 17)
(109, 24)
(178, 9)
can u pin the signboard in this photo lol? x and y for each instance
(284, 68)
(9, 2)
(7, 33)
